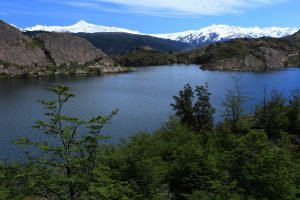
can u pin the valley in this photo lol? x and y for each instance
(149, 100)
(80, 49)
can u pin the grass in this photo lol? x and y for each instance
(294, 60)
(34, 43)
(4, 63)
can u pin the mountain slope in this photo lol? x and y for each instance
(221, 33)
(145, 56)
(49, 53)
(116, 43)
(295, 41)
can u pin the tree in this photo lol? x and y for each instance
(233, 104)
(64, 168)
(271, 115)
(203, 110)
(195, 113)
(294, 112)
(184, 105)
(174, 162)
(261, 169)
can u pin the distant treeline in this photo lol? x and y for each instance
(245, 157)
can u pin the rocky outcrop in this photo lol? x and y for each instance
(294, 59)
(294, 39)
(18, 49)
(66, 49)
(248, 55)
(50, 53)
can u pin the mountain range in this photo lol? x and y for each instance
(195, 38)
(49, 52)
(221, 33)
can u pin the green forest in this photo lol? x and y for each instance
(245, 156)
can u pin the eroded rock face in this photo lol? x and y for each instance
(269, 59)
(248, 55)
(50, 53)
(250, 63)
(18, 49)
(274, 58)
(294, 39)
(66, 49)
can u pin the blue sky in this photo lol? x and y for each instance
(153, 16)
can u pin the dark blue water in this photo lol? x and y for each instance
(143, 98)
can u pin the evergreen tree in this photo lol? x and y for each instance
(203, 110)
(184, 105)
(195, 113)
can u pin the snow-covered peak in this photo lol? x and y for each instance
(80, 26)
(82, 23)
(216, 33)
(206, 35)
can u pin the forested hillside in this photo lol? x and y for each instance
(116, 43)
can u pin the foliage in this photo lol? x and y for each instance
(293, 113)
(141, 57)
(65, 169)
(4, 63)
(195, 113)
(233, 105)
(117, 43)
(184, 105)
(34, 43)
(259, 159)
(271, 115)
(294, 60)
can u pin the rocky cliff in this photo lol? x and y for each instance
(249, 55)
(294, 39)
(19, 50)
(50, 53)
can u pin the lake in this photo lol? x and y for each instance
(143, 98)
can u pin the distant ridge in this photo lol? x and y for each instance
(206, 35)
(221, 33)
(116, 43)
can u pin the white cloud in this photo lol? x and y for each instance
(176, 7)
(3, 13)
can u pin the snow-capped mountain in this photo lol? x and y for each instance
(219, 33)
(207, 35)
(81, 26)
